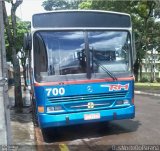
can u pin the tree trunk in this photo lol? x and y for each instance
(17, 82)
(140, 72)
(16, 66)
(24, 76)
(136, 68)
(11, 35)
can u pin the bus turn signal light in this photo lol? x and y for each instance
(40, 109)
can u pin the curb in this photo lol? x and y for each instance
(146, 93)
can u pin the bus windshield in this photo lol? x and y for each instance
(62, 55)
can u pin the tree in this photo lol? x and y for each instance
(12, 40)
(144, 10)
(60, 4)
(22, 28)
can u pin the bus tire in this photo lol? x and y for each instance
(49, 134)
(34, 115)
(46, 134)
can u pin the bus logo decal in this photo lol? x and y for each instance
(90, 89)
(90, 105)
(116, 87)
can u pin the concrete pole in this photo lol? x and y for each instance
(5, 130)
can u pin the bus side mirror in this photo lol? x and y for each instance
(27, 41)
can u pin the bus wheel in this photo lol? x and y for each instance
(49, 134)
(46, 134)
(34, 116)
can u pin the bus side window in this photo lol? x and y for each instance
(39, 52)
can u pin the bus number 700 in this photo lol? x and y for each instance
(55, 91)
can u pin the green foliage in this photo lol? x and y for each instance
(60, 4)
(144, 79)
(157, 9)
(55, 4)
(147, 86)
(158, 80)
(22, 27)
(85, 5)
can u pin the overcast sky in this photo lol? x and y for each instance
(27, 8)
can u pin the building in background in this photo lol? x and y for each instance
(151, 65)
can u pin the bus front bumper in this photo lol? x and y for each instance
(50, 120)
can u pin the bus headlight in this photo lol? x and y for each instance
(119, 102)
(126, 102)
(51, 109)
(122, 102)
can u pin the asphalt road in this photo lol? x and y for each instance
(143, 129)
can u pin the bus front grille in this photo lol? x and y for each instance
(88, 97)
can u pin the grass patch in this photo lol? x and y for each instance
(147, 86)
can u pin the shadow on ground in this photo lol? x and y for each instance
(24, 117)
(91, 130)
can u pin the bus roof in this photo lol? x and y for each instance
(81, 19)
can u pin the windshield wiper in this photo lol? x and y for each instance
(105, 69)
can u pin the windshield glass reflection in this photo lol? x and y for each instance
(64, 53)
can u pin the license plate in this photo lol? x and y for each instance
(92, 116)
